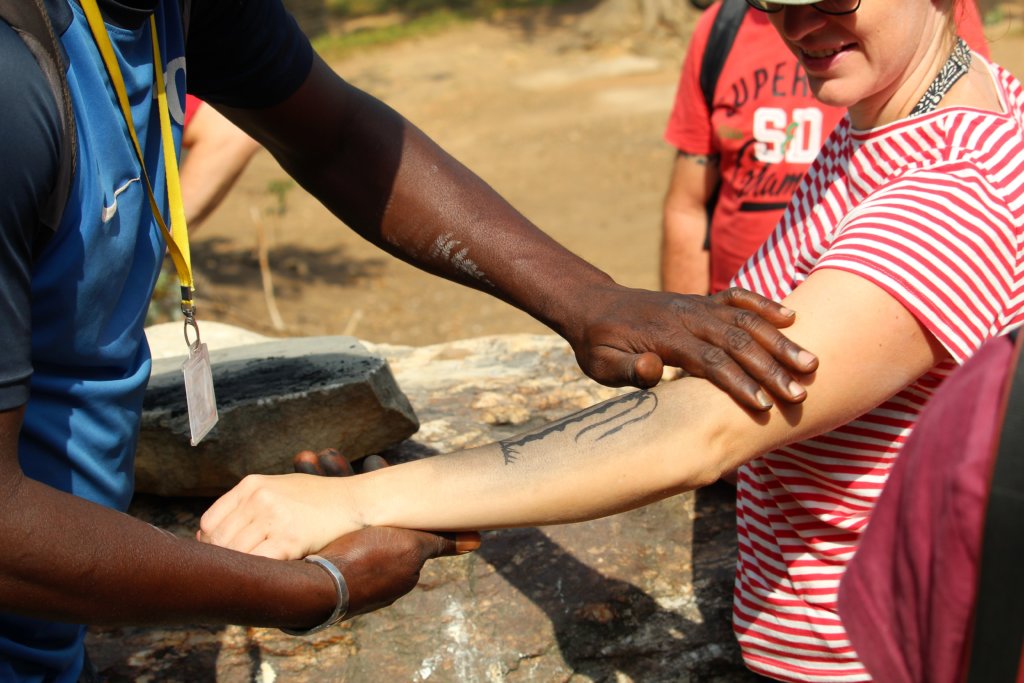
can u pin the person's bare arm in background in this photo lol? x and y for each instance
(685, 224)
(216, 153)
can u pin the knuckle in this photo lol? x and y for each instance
(277, 552)
(250, 482)
(775, 373)
(746, 320)
(413, 555)
(206, 528)
(738, 339)
(291, 547)
(263, 496)
(601, 371)
(683, 305)
(713, 357)
(787, 346)
(735, 295)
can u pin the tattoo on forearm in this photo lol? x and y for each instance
(701, 159)
(446, 248)
(614, 416)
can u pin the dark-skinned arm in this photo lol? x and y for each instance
(68, 559)
(393, 185)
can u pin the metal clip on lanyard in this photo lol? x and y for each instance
(202, 403)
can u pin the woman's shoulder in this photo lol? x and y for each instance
(1001, 103)
(1009, 89)
(990, 135)
(961, 154)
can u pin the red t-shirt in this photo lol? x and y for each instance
(765, 126)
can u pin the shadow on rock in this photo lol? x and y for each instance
(605, 628)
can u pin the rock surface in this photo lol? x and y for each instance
(642, 596)
(274, 398)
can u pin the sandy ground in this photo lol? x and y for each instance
(572, 137)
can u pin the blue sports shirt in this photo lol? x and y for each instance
(74, 350)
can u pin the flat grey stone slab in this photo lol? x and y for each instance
(274, 399)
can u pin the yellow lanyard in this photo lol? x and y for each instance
(177, 235)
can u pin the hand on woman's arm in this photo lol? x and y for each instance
(612, 457)
(397, 188)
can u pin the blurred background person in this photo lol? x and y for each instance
(216, 152)
(746, 127)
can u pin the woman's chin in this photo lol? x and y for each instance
(831, 93)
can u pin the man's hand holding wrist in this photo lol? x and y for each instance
(340, 610)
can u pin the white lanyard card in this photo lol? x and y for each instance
(202, 402)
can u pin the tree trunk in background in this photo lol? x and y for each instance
(614, 20)
(311, 15)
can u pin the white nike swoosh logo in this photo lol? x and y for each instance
(110, 211)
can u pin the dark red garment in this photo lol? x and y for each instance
(907, 597)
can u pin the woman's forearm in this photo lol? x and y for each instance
(612, 457)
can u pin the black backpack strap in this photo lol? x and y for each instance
(720, 39)
(998, 635)
(723, 34)
(31, 21)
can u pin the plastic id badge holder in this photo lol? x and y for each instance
(199, 396)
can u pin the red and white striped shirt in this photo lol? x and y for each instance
(931, 209)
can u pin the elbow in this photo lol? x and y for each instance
(709, 476)
(719, 459)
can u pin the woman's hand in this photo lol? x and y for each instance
(283, 517)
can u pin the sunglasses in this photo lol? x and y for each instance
(834, 7)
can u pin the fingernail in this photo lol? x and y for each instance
(374, 462)
(763, 399)
(304, 457)
(796, 389)
(466, 543)
(805, 357)
(786, 311)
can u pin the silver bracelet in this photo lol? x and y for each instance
(340, 588)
